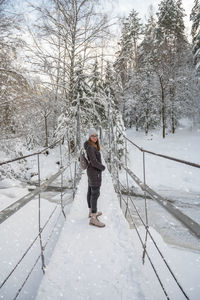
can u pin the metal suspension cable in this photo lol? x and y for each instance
(27, 250)
(147, 231)
(61, 183)
(27, 277)
(39, 217)
(14, 207)
(51, 233)
(162, 256)
(18, 292)
(155, 244)
(144, 180)
(143, 244)
(32, 154)
(41, 229)
(144, 248)
(40, 255)
(146, 212)
(30, 246)
(127, 181)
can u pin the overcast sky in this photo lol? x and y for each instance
(123, 7)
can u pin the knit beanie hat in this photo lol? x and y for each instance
(92, 131)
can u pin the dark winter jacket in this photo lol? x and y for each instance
(95, 166)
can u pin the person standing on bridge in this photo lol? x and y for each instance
(94, 170)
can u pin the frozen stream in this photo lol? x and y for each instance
(172, 230)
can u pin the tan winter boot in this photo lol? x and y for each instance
(99, 213)
(95, 221)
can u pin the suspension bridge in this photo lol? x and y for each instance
(89, 262)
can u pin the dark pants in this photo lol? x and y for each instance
(92, 196)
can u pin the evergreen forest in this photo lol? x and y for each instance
(64, 68)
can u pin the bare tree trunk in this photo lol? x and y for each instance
(147, 122)
(102, 58)
(163, 106)
(55, 111)
(73, 46)
(136, 125)
(64, 89)
(46, 131)
(173, 126)
(71, 75)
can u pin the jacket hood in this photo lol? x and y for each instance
(86, 144)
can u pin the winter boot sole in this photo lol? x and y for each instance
(97, 225)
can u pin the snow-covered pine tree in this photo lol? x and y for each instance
(98, 99)
(146, 54)
(95, 81)
(109, 94)
(108, 84)
(89, 107)
(177, 71)
(170, 45)
(187, 90)
(130, 102)
(75, 119)
(135, 30)
(181, 40)
(148, 95)
(148, 104)
(82, 105)
(127, 66)
(119, 132)
(121, 64)
(195, 18)
(114, 124)
(127, 59)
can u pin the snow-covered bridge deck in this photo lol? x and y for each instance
(90, 262)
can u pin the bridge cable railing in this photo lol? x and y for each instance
(33, 154)
(114, 163)
(189, 223)
(145, 250)
(161, 155)
(72, 159)
(144, 244)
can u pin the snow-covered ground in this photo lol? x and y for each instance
(93, 263)
(164, 174)
(177, 182)
(107, 262)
